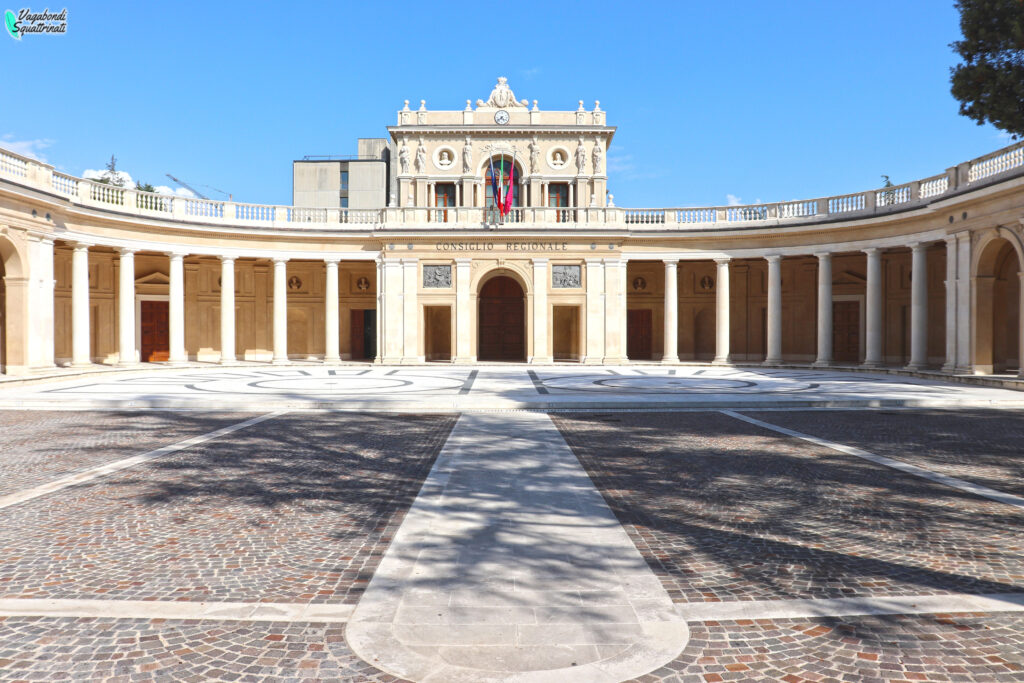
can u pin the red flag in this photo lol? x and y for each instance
(509, 192)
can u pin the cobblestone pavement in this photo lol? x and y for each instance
(981, 446)
(723, 510)
(937, 647)
(295, 509)
(39, 446)
(35, 648)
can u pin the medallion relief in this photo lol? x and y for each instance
(565, 276)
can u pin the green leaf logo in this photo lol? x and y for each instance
(9, 21)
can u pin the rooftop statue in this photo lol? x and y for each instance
(502, 97)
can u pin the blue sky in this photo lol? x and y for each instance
(713, 101)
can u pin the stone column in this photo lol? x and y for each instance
(227, 309)
(541, 354)
(950, 283)
(280, 310)
(671, 349)
(332, 346)
(40, 305)
(919, 307)
(81, 334)
(875, 309)
(595, 311)
(963, 302)
(379, 336)
(127, 354)
(722, 313)
(176, 308)
(773, 354)
(410, 311)
(824, 311)
(392, 322)
(615, 310)
(463, 313)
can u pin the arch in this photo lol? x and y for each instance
(14, 308)
(997, 334)
(501, 319)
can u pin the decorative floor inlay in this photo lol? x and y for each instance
(508, 566)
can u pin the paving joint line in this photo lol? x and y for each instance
(954, 482)
(166, 609)
(94, 473)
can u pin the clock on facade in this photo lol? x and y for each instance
(501, 117)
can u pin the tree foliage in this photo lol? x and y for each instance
(990, 82)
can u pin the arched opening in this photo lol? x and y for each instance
(506, 171)
(502, 320)
(998, 304)
(13, 310)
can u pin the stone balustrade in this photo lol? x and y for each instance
(994, 167)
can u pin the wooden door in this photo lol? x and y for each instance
(444, 197)
(363, 334)
(502, 321)
(155, 335)
(638, 334)
(846, 331)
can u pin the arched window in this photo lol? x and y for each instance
(503, 166)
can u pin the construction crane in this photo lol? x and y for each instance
(194, 190)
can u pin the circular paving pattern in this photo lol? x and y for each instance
(669, 384)
(334, 384)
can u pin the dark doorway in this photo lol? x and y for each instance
(638, 334)
(437, 332)
(155, 331)
(364, 334)
(846, 331)
(502, 321)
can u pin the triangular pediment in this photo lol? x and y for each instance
(154, 279)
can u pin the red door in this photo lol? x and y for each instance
(502, 321)
(155, 338)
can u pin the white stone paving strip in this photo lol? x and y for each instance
(149, 609)
(510, 566)
(961, 484)
(92, 473)
(849, 607)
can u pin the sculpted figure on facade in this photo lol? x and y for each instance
(598, 154)
(581, 156)
(534, 156)
(467, 156)
(502, 97)
(403, 157)
(421, 157)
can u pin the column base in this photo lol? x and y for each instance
(541, 359)
(822, 364)
(80, 364)
(333, 361)
(614, 361)
(771, 363)
(962, 370)
(948, 367)
(129, 364)
(228, 361)
(279, 361)
(591, 360)
(722, 361)
(916, 367)
(670, 360)
(872, 365)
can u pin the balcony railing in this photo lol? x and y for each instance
(990, 168)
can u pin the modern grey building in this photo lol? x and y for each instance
(362, 181)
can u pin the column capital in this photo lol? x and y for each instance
(670, 262)
(593, 261)
(227, 259)
(409, 261)
(773, 258)
(918, 246)
(81, 246)
(823, 255)
(279, 260)
(871, 251)
(463, 261)
(177, 255)
(543, 261)
(126, 251)
(332, 260)
(723, 261)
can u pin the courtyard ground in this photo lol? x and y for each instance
(511, 523)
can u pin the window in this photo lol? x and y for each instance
(558, 194)
(344, 181)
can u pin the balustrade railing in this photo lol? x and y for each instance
(988, 168)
